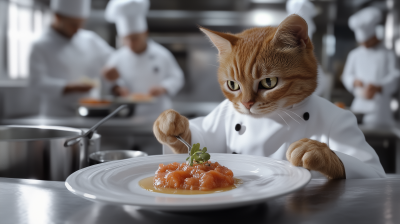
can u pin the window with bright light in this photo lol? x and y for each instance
(25, 22)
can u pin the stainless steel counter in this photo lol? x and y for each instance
(321, 201)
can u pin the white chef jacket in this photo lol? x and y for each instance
(154, 67)
(272, 135)
(322, 82)
(56, 61)
(372, 66)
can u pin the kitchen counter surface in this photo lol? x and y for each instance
(321, 201)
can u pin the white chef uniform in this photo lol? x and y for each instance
(154, 67)
(307, 11)
(56, 61)
(376, 66)
(314, 118)
(140, 72)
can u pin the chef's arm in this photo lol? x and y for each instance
(174, 80)
(348, 142)
(39, 77)
(348, 75)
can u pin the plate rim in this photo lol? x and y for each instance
(185, 207)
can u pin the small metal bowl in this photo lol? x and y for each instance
(112, 155)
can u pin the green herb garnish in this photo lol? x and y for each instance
(200, 156)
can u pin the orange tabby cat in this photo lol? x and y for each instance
(285, 55)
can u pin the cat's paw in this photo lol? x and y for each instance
(170, 124)
(314, 155)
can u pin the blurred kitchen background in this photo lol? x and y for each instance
(174, 24)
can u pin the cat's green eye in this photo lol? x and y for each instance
(269, 83)
(233, 85)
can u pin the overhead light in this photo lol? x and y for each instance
(261, 18)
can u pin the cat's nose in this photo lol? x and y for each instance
(248, 104)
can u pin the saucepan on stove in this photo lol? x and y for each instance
(46, 152)
(38, 152)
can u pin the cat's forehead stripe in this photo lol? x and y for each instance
(236, 71)
(231, 71)
(237, 66)
(253, 63)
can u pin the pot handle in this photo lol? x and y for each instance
(89, 134)
(73, 141)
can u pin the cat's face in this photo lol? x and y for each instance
(266, 69)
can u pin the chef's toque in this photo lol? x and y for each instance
(128, 15)
(364, 23)
(71, 8)
(305, 9)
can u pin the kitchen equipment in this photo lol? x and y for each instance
(185, 143)
(37, 152)
(91, 107)
(112, 155)
(101, 108)
(84, 139)
(117, 182)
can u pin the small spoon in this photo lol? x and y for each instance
(185, 143)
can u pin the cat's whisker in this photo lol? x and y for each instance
(283, 119)
(290, 116)
(294, 114)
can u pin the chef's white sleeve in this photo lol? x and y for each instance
(39, 77)
(348, 142)
(210, 131)
(348, 75)
(390, 82)
(174, 79)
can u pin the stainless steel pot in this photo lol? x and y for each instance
(38, 152)
(112, 155)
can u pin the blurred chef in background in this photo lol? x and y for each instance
(370, 72)
(141, 66)
(307, 11)
(66, 62)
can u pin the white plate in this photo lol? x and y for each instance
(117, 182)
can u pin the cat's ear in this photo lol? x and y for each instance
(222, 41)
(292, 32)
